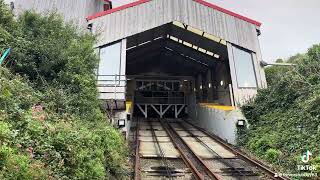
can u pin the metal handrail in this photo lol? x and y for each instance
(165, 91)
(110, 80)
(117, 82)
(160, 100)
(117, 78)
(112, 75)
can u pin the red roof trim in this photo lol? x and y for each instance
(116, 9)
(228, 12)
(218, 8)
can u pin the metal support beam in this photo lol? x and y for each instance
(159, 112)
(231, 95)
(165, 110)
(145, 111)
(176, 111)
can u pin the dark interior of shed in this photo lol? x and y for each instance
(176, 52)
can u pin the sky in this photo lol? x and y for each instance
(288, 26)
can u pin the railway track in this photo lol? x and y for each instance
(195, 163)
(164, 159)
(179, 150)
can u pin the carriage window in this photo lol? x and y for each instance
(244, 68)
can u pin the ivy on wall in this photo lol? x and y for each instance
(285, 118)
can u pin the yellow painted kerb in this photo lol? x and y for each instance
(128, 106)
(217, 106)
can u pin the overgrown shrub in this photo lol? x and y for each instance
(51, 126)
(272, 155)
(285, 117)
(15, 165)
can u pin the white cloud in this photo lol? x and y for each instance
(288, 26)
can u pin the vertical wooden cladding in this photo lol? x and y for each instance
(71, 10)
(133, 20)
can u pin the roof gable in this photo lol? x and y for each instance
(210, 5)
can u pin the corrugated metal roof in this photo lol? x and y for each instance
(71, 10)
(148, 14)
(117, 9)
(198, 1)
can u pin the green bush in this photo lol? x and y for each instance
(15, 165)
(52, 68)
(316, 162)
(65, 146)
(5, 132)
(272, 155)
(285, 117)
(260, 145)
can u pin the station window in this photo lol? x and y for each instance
(109, 65)
(244, 68)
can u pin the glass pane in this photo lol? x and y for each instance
(244, 68)
(109, 65)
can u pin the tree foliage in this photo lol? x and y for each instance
(285, 118)
(275, 73)
(57, 60)
(51, 125)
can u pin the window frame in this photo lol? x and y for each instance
(107, 45)
(120, 62)
(253, 67)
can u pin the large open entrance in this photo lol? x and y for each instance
(171, 67)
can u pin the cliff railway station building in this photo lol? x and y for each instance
(169, 59)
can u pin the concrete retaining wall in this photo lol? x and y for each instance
(221, 123)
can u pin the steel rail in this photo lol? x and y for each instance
(246, 158)
(137, 175)
(162, 155)
(184, 157)
(210, 149)
(196, 172)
